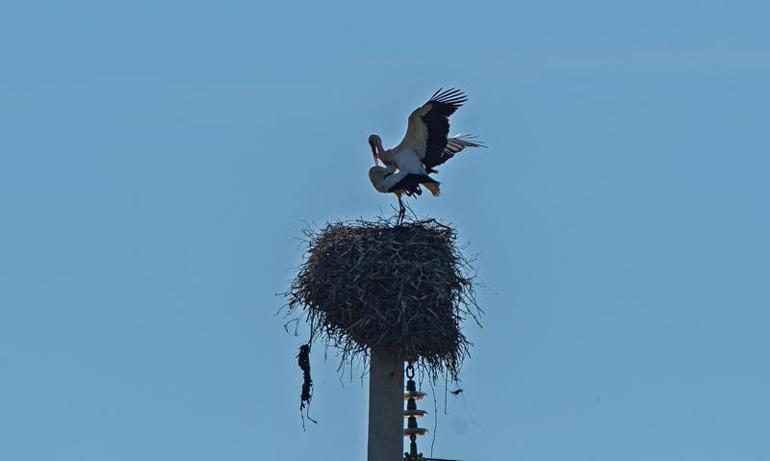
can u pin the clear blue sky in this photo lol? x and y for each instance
(157, 159)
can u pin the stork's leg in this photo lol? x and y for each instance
(401, 210)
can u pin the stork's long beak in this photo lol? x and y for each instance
(374, 155)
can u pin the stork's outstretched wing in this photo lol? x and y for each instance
(454, 145)
(428, 127)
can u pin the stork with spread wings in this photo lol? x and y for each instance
(425, 146)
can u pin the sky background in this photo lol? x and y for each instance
(158, 161)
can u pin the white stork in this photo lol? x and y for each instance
(425, 146)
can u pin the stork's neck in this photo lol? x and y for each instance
(386, 155)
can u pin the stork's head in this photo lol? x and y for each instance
(376, 144)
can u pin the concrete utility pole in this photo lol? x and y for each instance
(386, 407)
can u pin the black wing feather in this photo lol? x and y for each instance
(443, 104)
(410, 185)
(455, 145)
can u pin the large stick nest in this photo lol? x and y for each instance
(406, 288)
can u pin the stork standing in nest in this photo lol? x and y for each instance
(425, 146)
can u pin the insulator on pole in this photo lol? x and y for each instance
(412, 430)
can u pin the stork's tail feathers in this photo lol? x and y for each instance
(433, 187)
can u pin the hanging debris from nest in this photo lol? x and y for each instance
(303, 360)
